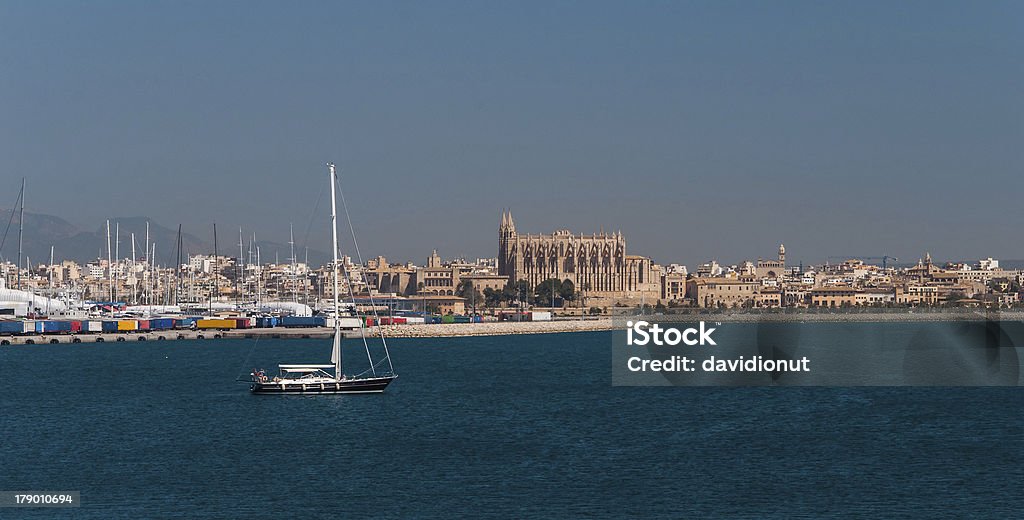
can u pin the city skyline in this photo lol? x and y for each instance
(278, 251)
(701, 129)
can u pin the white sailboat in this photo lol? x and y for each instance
(324, 379)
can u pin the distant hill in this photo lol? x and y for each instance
(73, 243)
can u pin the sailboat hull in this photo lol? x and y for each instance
(369, 385)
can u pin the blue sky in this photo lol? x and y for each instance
(701, 129)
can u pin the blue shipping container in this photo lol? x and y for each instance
(55, 326)
(11, 327)
(109, 326)
(161, 324)
(302, 321)
(266, 322)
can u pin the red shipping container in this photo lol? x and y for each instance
(143, 324)
(76, 326)
(242, 323)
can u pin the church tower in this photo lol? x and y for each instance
(506, 245)
(782, 254)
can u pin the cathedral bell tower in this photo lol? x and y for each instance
(506, 242)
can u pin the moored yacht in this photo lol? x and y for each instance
(326, 379)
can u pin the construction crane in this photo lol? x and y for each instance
(884, 258)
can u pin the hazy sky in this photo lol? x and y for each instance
(701, 129)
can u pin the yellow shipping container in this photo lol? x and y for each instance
(127, 325)
(215, 324)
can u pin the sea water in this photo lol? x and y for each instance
(510, 427)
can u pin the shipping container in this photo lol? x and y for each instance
(413, 320)
(11, 327)
(213, 323)
(514, 316)
(184, 323)
(161, 324)
(92, 326)
(242, 323)
(266, 322)
(303, 321)
(109, 326)
(39, 326)
(350, 323)
(127, 325)
(540, 316)
(143, 324)
(462, 319)
(54, 326)
(76, 326)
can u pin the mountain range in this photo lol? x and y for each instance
(70, 242)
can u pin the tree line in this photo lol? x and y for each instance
(549, 293)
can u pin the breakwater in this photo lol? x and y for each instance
(54, 339)
(440, 330)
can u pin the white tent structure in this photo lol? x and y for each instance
(33, 302)
(154, 309)
(295, 309)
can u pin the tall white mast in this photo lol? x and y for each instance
(255, 247)
(21, 231)
(291, 244)
(50, 272)
(240, 278)
(110, 269)
(149, 272)
(117, 250)
(135, 292)
(336, 352)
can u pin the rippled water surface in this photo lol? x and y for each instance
(523, 426)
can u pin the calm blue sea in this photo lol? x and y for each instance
(510, 427)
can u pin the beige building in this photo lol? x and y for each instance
(673, 286)
(769, 297)
(385, 278)
(441, 279)
(913, 294)
(876, 296)
(438, 304)
(722, 292)
(834, 296)
(772, 268)
(486, 281)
